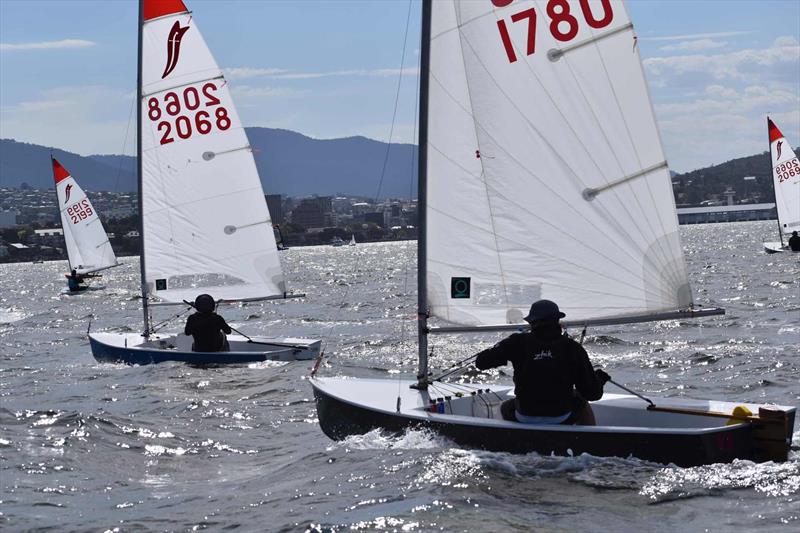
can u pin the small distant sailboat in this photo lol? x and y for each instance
(352, 240)
(205, 227)
(542, 175)
(786, 183)
(88, 248)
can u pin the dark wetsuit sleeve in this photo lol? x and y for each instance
(224, 325)
(189, 329)
(497, 355)
(586, 381)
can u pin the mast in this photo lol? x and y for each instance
(58, 206)
(772, 180)
(422, 177)
(139, 169)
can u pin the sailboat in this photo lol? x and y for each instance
(88, 248)
(352, 240)
(786, 183)
(542, 175)
(205, 226)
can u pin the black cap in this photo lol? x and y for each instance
(544, 310)
(204, 303)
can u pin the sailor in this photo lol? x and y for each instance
(794, 242)
(553, 378)
(74, 281)
(206, 327)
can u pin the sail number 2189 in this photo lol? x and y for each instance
(184, 113)
(563, 22)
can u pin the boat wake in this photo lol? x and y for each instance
(771, 479)
(414, 439)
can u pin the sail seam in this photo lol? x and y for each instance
(482, 178)
(544, 253)
(659, 242)
(188, 83)
(542, 137)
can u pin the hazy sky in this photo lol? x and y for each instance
(330, 69)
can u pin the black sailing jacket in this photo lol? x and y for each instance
(206, 328)
(548, 368)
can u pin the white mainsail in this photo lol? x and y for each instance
(785, 179)
(546, 174)
(88, 248)
(206, 223)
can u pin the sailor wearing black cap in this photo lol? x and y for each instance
(207, 327)
(553, 378)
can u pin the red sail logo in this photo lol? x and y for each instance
(68, 190)
(173, 47)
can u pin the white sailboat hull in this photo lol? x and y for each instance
(626, 427)
(134, 349)
(775, 247)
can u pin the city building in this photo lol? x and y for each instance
(275, 206)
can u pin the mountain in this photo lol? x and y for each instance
(693, 187)
(292, 164)
(289, 163)
(30, 163)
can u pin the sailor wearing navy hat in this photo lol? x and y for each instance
(207, 327)
(553, 378)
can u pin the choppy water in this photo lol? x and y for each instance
(85, 446)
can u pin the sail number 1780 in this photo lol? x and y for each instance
(563, 24)
(181, 115)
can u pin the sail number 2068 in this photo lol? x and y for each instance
(788, 170)
(563, 23)
(187, 112)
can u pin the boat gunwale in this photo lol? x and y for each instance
(419, 415)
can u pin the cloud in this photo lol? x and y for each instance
(742, 64)
(724, 123)
(721, 99)
(695, 36)
(84, 119)
(694, 46)
(63, 44)
(243, 92)
(281, 74)
(240, 73)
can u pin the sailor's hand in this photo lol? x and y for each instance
(602, 376)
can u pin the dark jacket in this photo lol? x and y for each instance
(794, 243)
(548, 368)
(206, 328)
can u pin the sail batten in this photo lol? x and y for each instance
(207, 228)
(516, 140)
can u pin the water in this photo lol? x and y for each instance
(171, 447)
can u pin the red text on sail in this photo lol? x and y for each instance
(788, 170)
(563, 24)
(196, 109)
(80, 211)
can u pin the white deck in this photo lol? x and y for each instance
(614, 412)
(180, 343)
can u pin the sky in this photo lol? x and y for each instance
(331, 69)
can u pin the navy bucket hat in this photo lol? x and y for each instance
(544, 310)
(205, 303)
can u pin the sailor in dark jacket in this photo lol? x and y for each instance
(553, 377)
(207, 327)
(794, 242)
